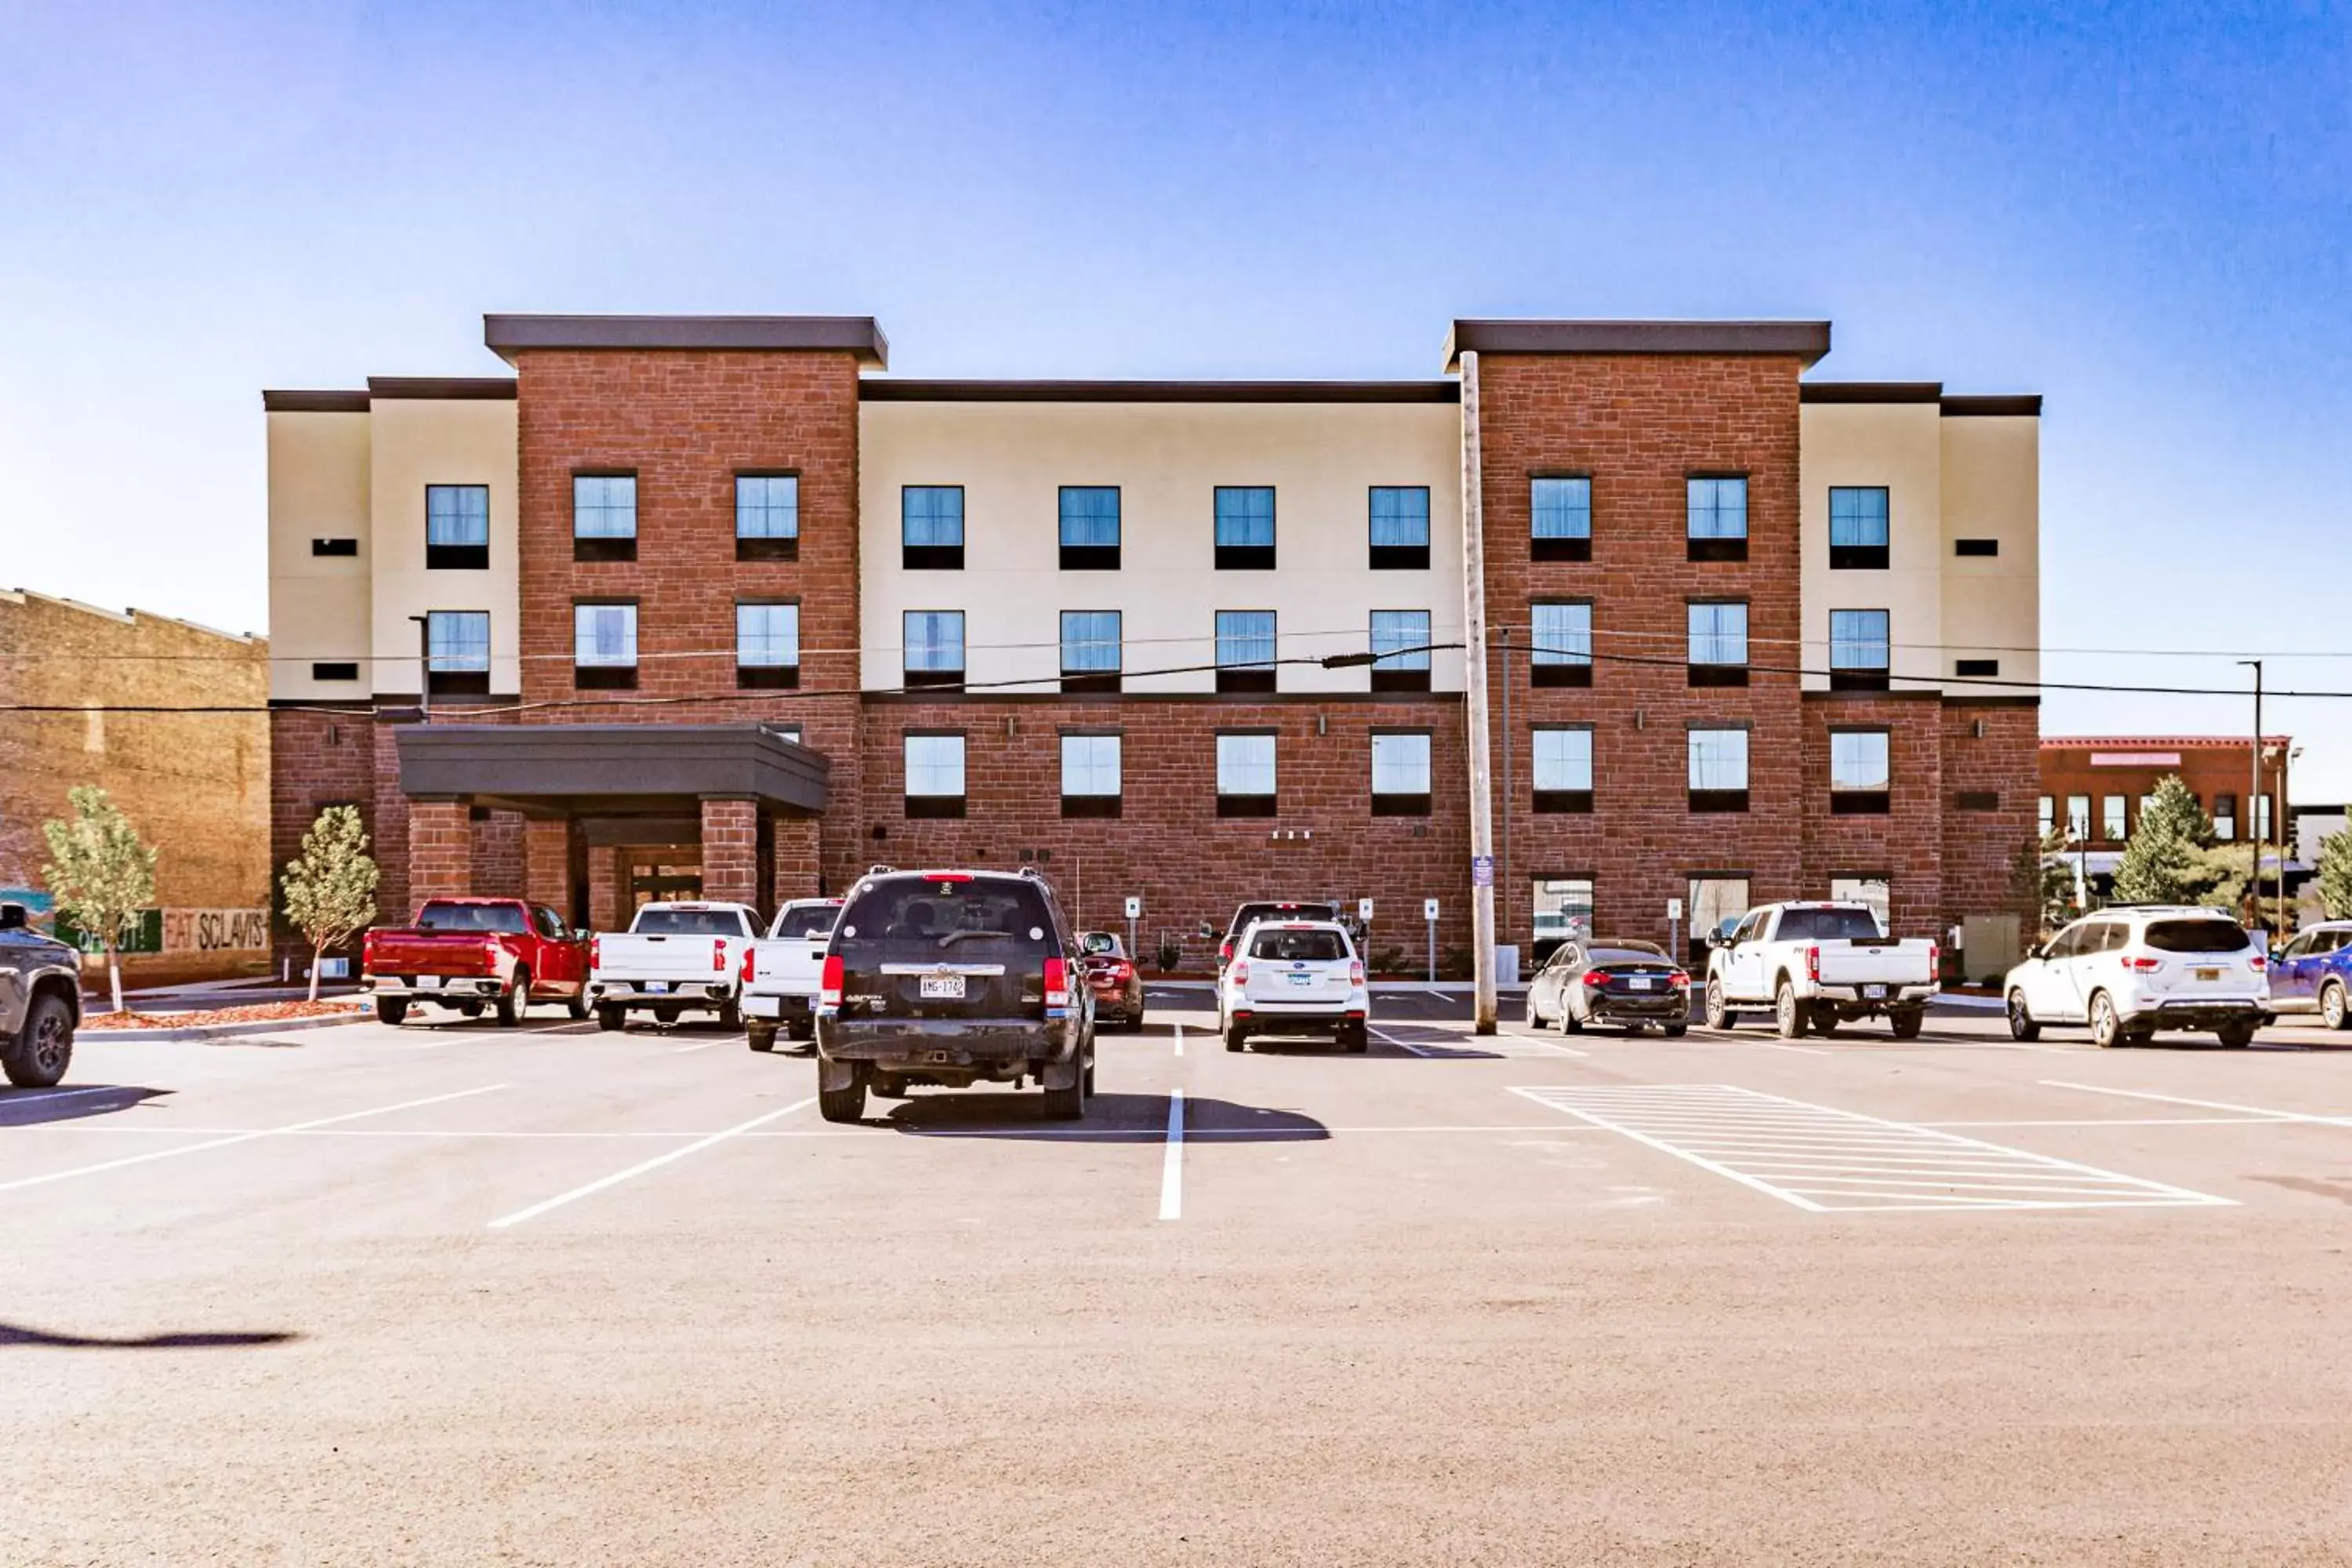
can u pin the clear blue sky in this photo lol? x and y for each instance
(2141, 211)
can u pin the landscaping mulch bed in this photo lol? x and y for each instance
(205, 1018)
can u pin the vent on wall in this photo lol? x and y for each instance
(1977, 800)
(334, 547)
(335, 671)
(1976, 547)
(1977, 667)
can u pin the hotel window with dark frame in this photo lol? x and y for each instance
(935, 775)
(1716, 513)
(1719, 642)
(2115, 823)
(1857, 528)
(1559, 516)
(1718, 770)
(1090, 780)
(1561, 642)
(1245, 523)
(604, 517)
(456, 528)
(605, 644)
(1859, 648)
(1245, 645)
(2225, 816)
(1400, 528)
(1245, 773)
(933, 654)
(1400, 645)
(767, 517)
(931, 528)
(458, 653)
(1090, 651)
(1400, 773)
(1089, 516)
(1858, 772)
(1563, 768)
(767, 643)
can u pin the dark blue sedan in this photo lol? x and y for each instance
(2314, 974)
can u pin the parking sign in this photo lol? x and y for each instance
(1482, 870)
(1134, 907)
(1364, 911)
(1429, 909)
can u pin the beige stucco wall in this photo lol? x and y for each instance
(1896, 445)
(1992, 489)
(1167, 459)
(418, 442)
(318, 604)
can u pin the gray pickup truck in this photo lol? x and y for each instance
(40, 1002)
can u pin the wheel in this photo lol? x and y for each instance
(1090, 1072)
(762, 1037)
(1535, 1020)
(1356, 1038)
(37, 1057)
(1236, 1036)
(666, 1014)
(2107, 1029)
(2022, 1025)
(1787, 1015)
(515, 1002)
(1135, 1023)
(1907, 1022)
(843, 1104)
(730, 1016)
(1067, 1104)
(1720, 1014)
(391, 1009)
(577, 1002)
(612, 1017)
(2236, 1036)
(2332, 1010)
(1676, 1031)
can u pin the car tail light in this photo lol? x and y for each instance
(2258, 964)
(1594, 977)
(1122, 970)
(829, 983)
(1057, 982)
(744, 973)
(595, 953)
(1356, 974)
(1935, 962)
(1814, 965)
(717, 955)
(2139, 965)
(1226, 951)
(1241, 971)
(1678, 980)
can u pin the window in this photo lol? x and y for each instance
(1246, 651)
(458, 528)
(934, 775)
(1718, 770)
(1560, 633)
(336, 670)
(2078, 818)
(1858, 772)
(1400, 528)
(1563, 768)
(1976, 547)
(1246, 774)
(931, 528)
(2111, 818)
(1717, 513)
(934, 647)
(1400, 650)
(604, 517)
(1857, 528)
(1089, 528)
(1400, 773)
(457, 652)
(1859, 640)
(1877, 892)
(767, 517)
(2263, 818)
(2048, 817)
(1244, 527)
(1559, 513)
(1716, 905)
(334, 547)
(767, 645)
(2225, 817)
(1719, 642)
(604, 647)
(1977, 666)
(1090, 651)
(1090, 775)
(1563, 911)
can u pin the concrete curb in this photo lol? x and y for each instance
(216, 1031)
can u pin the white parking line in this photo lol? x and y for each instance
(238, 1138)
(699, 1045)
(617, 1178)
(1172, 1164)
(1387, 1038)
(2204, 1104)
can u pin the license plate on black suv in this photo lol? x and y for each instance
(942, 987)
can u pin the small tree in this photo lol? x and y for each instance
(2045, 879)
(330, 887)
(102, 876)
(2167, 861)
(2335, 876)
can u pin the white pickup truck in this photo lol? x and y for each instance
(674, 958)
(1817, 965)
(783, 971)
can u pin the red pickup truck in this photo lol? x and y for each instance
(472, 953)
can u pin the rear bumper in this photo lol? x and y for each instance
(945, 1042)
(1315, 1017)
(1856, 995)
(627, 994)
(1673, 1006)
(2205, 1012)
(1118, 1004)
(778, 1004)
(453, 988)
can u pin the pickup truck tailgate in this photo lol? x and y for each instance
(789, 966)
(1857, 961)
(431, 953)
(630, 957)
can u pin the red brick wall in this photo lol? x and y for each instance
(730, 851)
(440, 850)
(1907, 844)
(317, 761)
(498, 856)
(1981, 847)
(547, 864)
(2209, 768)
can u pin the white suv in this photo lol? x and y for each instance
(1293, 977)
(2130, 971)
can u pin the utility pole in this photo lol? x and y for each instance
(2279, 818)
(2254, 800)
(1503, 856)
(1473, 655)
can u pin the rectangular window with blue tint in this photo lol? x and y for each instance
(1560, 519)
(1399, 646)
(767, 645)
(1246, 651)
(767, 517)
(1089, 528)
(1400, 772)
(604, 517)
(1859, 775)
(934, 768)
(457, 652)
(1245, 774)
(1859, 650)
(1857, 528)
(1559, 635)
(1400, 528)
(458, 528)
(1090, 651)
(1719, 642)
(1090, 775)
(1563, 767)
(1718, 770)
(934, 647)
(931, 528)
(1244, 527)
(1717, 513)
(604, 645)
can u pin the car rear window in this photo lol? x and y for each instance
(687, 922)
(1626, 955)
(2195, 936)
(1827, 925)
(1309, 946)
(909, 919)
(438, 916)
(814, 921)
(1250, 913)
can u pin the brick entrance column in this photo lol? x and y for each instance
(798, 857)
(547, 863)
(605, 889)
(440, 851)
(730, 851)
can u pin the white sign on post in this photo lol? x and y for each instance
(1134, 907)
(1364, 911)
(1674, 909)
(1429, 909)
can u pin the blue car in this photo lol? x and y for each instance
(2314, 974)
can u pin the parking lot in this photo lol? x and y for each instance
(449, 1293)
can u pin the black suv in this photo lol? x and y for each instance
(952, 978)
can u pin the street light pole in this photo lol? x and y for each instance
(2254, 800)
(1473, 654)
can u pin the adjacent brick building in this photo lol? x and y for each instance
(716, 604)
(2093, 788)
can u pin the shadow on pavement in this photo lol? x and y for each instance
(1110, 1118)
(38, 1107)
(12, 1335)
(1391, 1041)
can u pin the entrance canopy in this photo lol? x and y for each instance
(611, 770)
